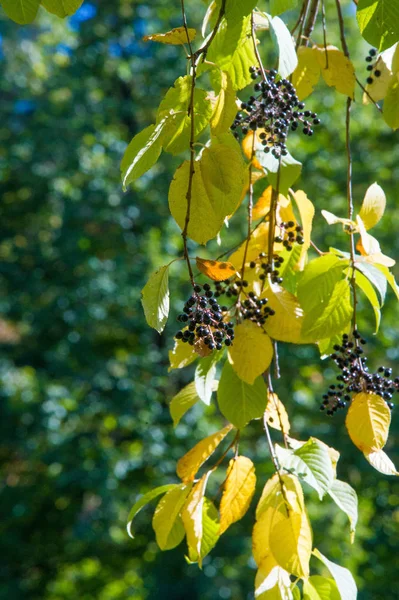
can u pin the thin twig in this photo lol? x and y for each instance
(303, 21)
(324, 25)
(299, 21)
(311, 19)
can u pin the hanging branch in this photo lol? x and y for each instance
(311, 19)
(305, 9)
(324, 25)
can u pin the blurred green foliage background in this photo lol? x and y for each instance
(85, 426)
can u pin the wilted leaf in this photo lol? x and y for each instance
(368, 421)
(251, 352)
(214, 269)
(176, 36)
(240, 402)
(238, 491)
(189, 464)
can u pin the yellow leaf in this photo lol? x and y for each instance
(262, 206)
(368, 421)
(272, 582)
(167, 515)
(257, 244)
(189, 464)
(192, 514)
(239, 489)
(378, 89)
(224, 106)
(249, 147)
(218, 271)
(373, 206)
(380, 461)
(285, 325)
(307, 73)
(252, 351)
(175, 36)
(215, 193)
(276, 414)
(370, 248)
(181, 355)
(340, 72)
(291, 543)
(306, 212)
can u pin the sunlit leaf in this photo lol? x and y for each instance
(320, 588)
(373, 206)
(391, 102)
(380, 461)
(290, 169)
(251, 352)
(224, 106)
(272, 582)
(155, 299)
(151, 495)
(368, 421)
(238, 491)
(205, 376)
(282, 38)
(279, 6)
(240, 402)
(182, 355)
(377, 90)
(210, 532)
(306, 213)
(237, 9)
(307, 73)
(214, 269)
(375, 277)
(182, 402)
(364, 284)
(189, 464)
(142, 153)
(192, 516)
(331, 316)
(345, 498)
(340, 72)
(390, 279)
(343, 578)
(62, 8)
(176, 36)
(276, 414)
(166, 522)
(262, 206)
(286, 324)
(333, 219)
(257, 244)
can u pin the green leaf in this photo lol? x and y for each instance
(364, 284)
(343, 578)
(182, 402)
(215, 193)
(166, 522)
(331, 316)
(141, 154)
(379, 22)
(205, 375)
(62, 8)
(320, 588)
(232, 50)
(151, 495)
(224, 108)
(155, 299)
(375, 277)
(345, 498)
(391, 102)
(290, 169)
(311, 462)
(174, 110)
(390, 279)
(282, 38)
(182, 355)
(237, 9)
(21, 11)
(279, 6)
(238, 401)
(210, 531)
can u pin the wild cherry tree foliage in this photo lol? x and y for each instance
(230, 117)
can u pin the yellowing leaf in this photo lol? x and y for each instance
(192, 515)
(370, 248)
(166, 522)
(189, 464)
(262, 206)
(249, 147)
(176, 36)
(380, 461)
(377, 90)
(286, 324)
(272, 582)
(210, 531)
(224, 106)
(251, 352)
(340, 72)
(155, 299)
(218, 271)
(291, 543)
(342, 577)
(307, 73)
(306, 213)
(182, 355)
(276, 414)
(391, 101)
(368, 421)
(373, 206)
(215, 193)
(320, 588)
(182, 402)
(257, 244)
(239, 489)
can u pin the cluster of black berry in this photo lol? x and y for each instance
(275, 109)
(355, 376)
(370, 58)
(204, 320)
(229, 287)
(255, 309)
(269, 269)
(290, 233)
